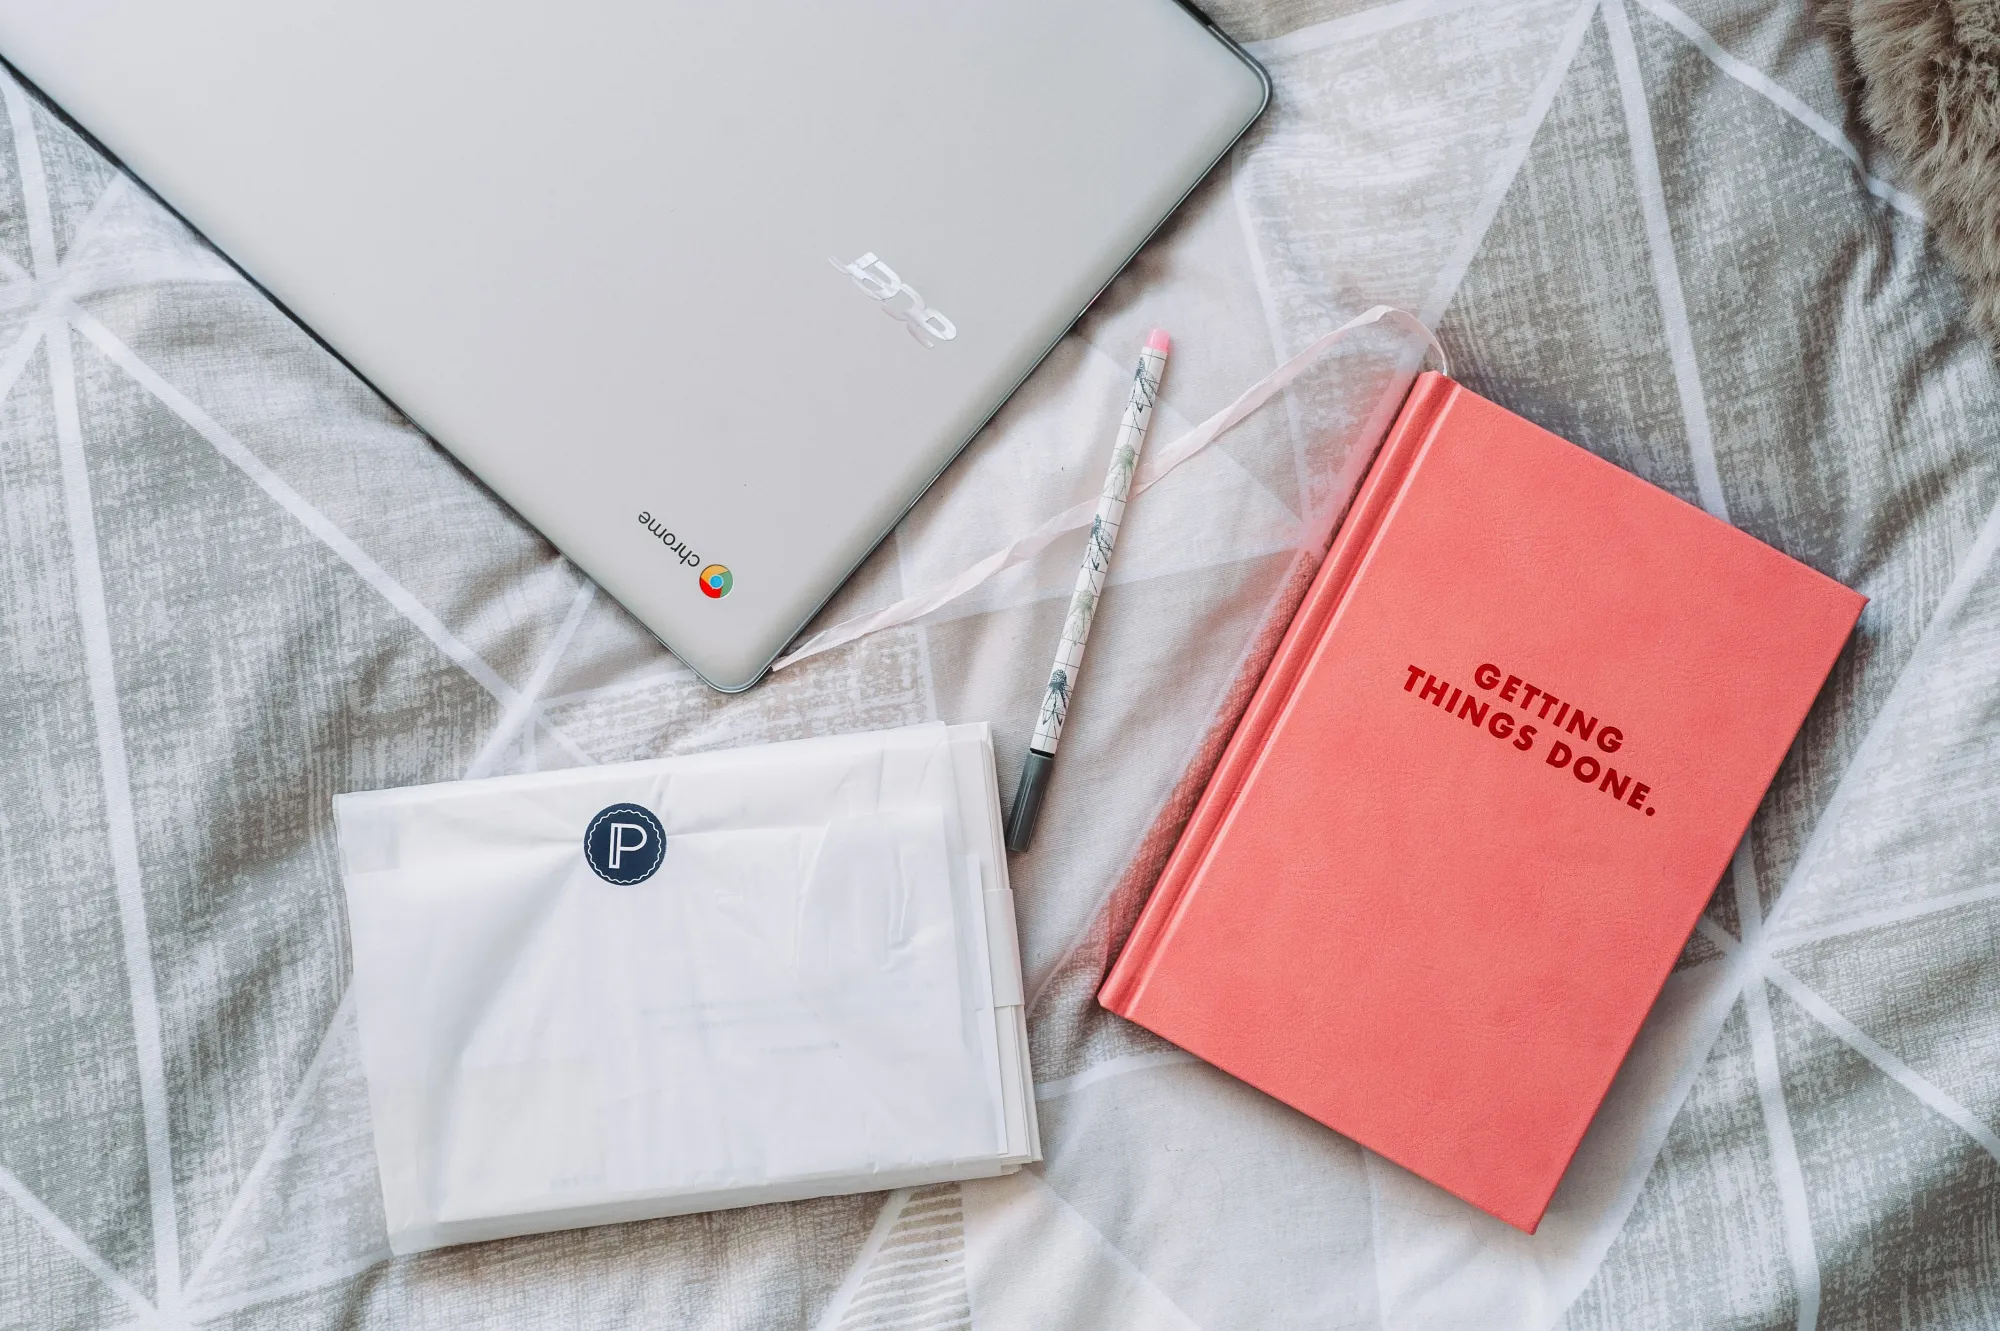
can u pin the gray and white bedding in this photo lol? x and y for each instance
(233, 582)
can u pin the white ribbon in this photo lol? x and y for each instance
(1158, 464)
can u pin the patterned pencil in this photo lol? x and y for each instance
(1089, 587)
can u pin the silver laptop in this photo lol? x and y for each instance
(708, 291)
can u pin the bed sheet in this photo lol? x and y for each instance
(234, 582)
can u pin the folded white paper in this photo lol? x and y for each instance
(791, 972)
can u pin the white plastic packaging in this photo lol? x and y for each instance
(817, 990)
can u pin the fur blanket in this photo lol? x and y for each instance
(1926, 80)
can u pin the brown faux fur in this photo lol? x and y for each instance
(1926, 74)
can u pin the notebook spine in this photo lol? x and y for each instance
(1413, 427)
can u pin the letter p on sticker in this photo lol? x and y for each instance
(620, 846)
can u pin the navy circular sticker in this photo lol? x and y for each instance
(624, 844)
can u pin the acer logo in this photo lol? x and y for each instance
(899, 299)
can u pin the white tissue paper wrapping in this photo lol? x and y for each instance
(818, 990)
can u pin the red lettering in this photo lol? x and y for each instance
(1638, 796)
(1534, 702)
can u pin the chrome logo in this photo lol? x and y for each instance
(716, 580)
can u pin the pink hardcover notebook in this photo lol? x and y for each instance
(1494, 772)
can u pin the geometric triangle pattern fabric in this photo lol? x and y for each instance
(1927, 764)
(911, 1272)
(309, 1202)
(1861, 1134)
(234, 582)
(1723, 1221)
(239, 876)
(1080, 1277)
(75, 1136)
(1290, 1202)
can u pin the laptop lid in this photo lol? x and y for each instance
(708, 292)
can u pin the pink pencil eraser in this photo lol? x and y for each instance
(1158, 340)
